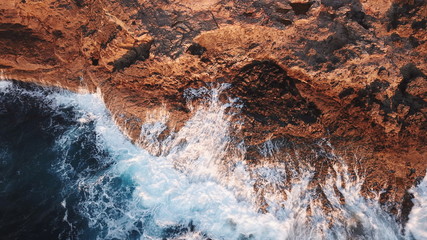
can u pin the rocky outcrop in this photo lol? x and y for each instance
(350, 71)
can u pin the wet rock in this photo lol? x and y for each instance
(407, 205)
(350, 71)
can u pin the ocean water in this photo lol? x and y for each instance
(67, 172)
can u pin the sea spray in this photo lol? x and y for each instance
(416, 226)
(198, 186)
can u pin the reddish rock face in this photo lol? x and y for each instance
(350, 71)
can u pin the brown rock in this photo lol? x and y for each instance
(350, 71)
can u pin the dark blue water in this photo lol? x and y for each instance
(35, 201)
(66, 172)
(55, 172)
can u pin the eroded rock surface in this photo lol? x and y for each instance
(350, 71)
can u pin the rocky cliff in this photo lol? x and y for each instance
(350, 71)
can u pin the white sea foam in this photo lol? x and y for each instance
(417, 224)
(189, 184)
(4, 82)
(202, 183)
